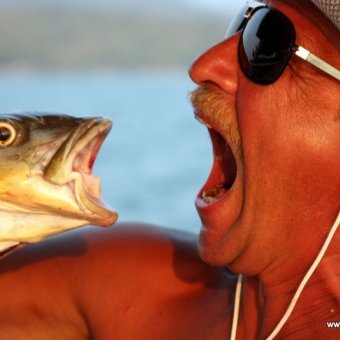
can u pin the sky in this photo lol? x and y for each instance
(218, 6)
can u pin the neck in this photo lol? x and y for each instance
(318, 303)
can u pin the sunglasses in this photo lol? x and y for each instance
(268, 42)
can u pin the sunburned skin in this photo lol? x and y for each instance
(276, 215)
(130, 281)
(266, 210)
(137, 281)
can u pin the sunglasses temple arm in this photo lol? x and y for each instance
(317, 62)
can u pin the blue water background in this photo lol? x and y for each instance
(157, 155)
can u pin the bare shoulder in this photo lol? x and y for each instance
(142, 275)
(137, 254)
(127, 249)
(110, 278)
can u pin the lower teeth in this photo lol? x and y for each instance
(215, 194)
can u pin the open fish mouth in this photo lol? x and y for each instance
(72, 165)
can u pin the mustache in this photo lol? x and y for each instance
(220, 110)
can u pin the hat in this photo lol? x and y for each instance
(331, 9)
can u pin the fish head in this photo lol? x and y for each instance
(46, 181)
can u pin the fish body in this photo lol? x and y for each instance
(46, 181)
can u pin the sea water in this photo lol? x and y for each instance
(157, 155)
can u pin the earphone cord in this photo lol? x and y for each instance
(297, 293)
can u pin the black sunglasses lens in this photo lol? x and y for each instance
(238, 22)
(266, 45)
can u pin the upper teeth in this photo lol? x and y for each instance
(203, 122)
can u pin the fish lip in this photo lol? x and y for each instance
(11, 249)
(63, 171)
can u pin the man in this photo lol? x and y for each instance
(267, 209)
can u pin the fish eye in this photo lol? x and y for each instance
(7, 134)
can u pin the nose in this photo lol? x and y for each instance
(218, 65)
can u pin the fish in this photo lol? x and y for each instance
(46, 181)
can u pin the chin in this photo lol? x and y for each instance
(211, 252)
(221, 248)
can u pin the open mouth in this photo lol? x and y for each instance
(73, 165)
(86, 185)
(224, 170)
(84, 155)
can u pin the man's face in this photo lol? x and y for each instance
(274, 186)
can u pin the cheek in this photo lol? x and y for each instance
(264, 133)
(288, 157)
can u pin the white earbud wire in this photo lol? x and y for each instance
(297, 294)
